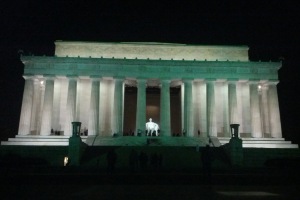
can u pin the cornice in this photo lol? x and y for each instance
(182, 69)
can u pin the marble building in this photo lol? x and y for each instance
(88, 82)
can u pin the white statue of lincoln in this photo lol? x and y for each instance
(152, 127)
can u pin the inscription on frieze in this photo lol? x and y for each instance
(254, 71)
(210, 70)
(243, 70)
(232, 70)
(263, 71)
(189, 70)
(72, 66)
(143, 68)
(165, 69)
(273, 71)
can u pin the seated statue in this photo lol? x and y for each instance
(151, 127)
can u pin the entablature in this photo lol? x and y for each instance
(150, 68)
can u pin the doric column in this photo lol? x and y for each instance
(141, 105)
(118, 106)
(275, 123)
(93, 126)
(47, 106)
(233, 113)
(255, 110)
(25, 117)
(71, 105)
(35, 106)
(188, 109)
(265, 109)
(225, 105)
(211, 111)
(182, 104)
(165, 119)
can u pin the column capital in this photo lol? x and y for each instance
(210, 80)
(36, 80)
(232, 80)
(28, 76)
(199, 80)
(48, 77)
(95, 77)
(272, 82)
(141, 80)
(187, 80)
(72, 77)
(119, 78)
(253, 82)
(165, 81)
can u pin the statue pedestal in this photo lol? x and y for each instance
(236, 151)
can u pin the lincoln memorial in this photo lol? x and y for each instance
(114, 88)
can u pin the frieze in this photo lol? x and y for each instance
(166, 69)
(189, 70)
(200, 70)
(210, 70)
(72, 66)
(243, 70)
(263, 71)
(273, 71)
(143, 69)
(149, 68)
(254, 70)
(232, 70)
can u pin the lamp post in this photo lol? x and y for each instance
(75, 145)
(76, 128)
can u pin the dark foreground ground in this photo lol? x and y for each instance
(92, 183)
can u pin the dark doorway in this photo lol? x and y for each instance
(152, 107)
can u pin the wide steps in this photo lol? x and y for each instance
(144, 140)
(262, 142)
(59, 140)
(40, 140)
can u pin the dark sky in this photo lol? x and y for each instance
(269, 28)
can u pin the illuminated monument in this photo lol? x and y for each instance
(87, 81)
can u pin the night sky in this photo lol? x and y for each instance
(270, 28)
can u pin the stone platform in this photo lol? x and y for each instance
(262, 142)
(40, 140)
(54, 140)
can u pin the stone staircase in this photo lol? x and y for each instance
(145, 141)
(59, 140)
(39, 140)
(262, 142)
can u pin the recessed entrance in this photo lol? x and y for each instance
(152, 108)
